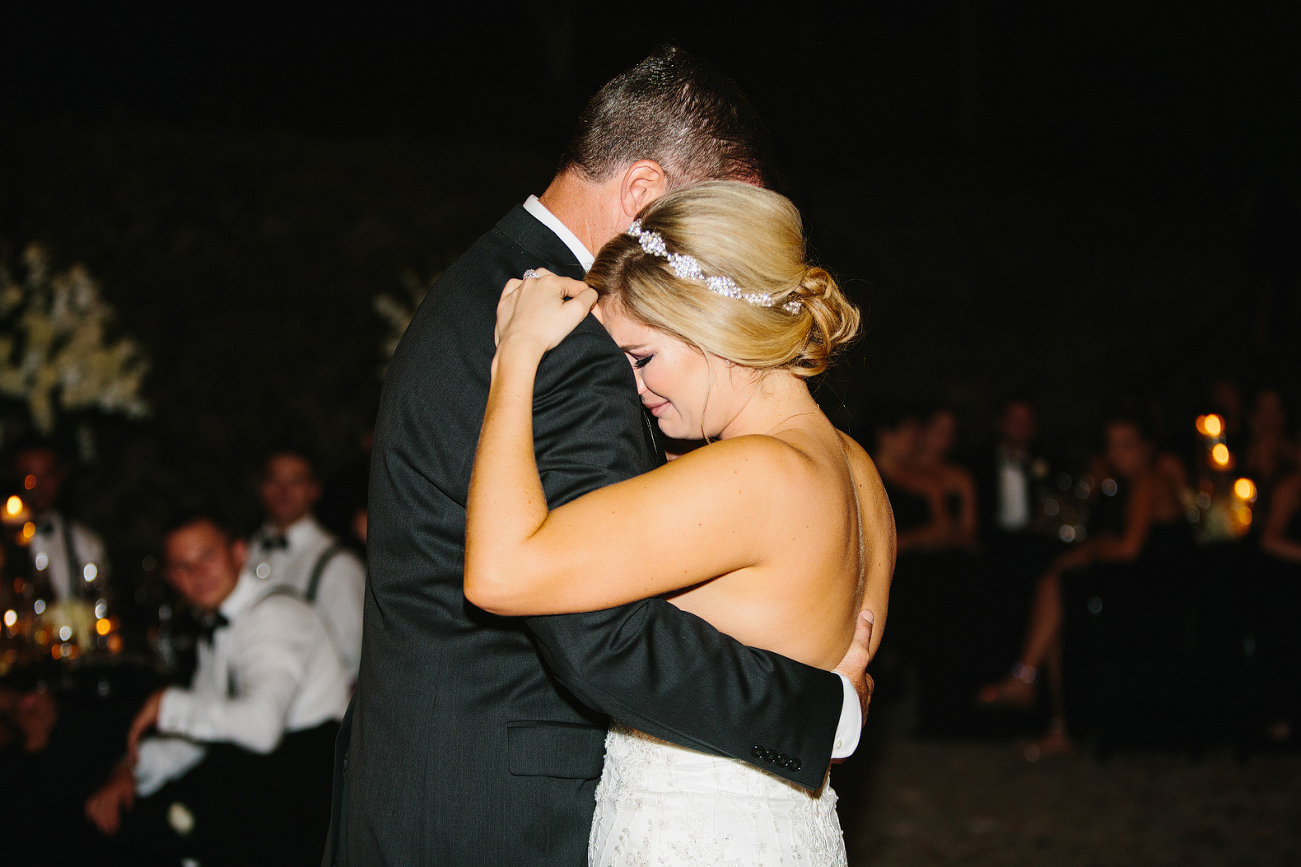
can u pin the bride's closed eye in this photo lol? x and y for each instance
(639, 361)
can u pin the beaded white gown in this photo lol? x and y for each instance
(659, 804)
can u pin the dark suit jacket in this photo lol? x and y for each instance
(475, 739)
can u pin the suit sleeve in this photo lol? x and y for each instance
(649, 664)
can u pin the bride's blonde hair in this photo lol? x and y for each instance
(751, 236)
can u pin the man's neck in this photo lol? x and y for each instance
(584, 208)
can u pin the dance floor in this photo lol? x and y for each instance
(921, 802)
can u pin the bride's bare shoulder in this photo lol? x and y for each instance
(751, 451)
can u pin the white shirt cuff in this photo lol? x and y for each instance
(851, 722)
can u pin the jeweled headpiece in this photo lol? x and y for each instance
(688, 268)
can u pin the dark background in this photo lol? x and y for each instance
(1080, 203)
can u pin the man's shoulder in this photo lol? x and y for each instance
(276, 605)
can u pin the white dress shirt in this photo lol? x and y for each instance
(850, 726)
(1013, 491)
(49, 551)
(341, 592)
(262, 675)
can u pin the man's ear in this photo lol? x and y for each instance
(643, 182)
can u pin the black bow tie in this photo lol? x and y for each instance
(275, 543)
(210, 624)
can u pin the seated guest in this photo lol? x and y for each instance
(1277, 606)
(921, 520)
(1009, 473)
(239, 769)
(292, 549)
(924, 531)
(1269, 455)
(1154, 526)
(938, 435)
(66, 554)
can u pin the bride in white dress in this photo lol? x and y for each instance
(777, 531)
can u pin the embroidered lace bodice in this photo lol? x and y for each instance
(659, 804)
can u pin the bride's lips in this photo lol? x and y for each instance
(654, 408)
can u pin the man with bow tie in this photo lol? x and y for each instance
(67, 554)
(292, 549)
(239, 768)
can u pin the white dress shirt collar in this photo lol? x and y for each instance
(297, 534)
(535, 207)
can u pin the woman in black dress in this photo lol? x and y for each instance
(1153, 530)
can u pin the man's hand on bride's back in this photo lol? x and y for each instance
(538, 312)
(854, 663)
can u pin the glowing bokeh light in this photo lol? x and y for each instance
(1220, 455)
(13, 506)
(1244, 489)
(1210, 425)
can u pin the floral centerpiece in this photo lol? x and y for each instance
(55, 354)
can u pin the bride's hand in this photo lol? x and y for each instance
(540, 311)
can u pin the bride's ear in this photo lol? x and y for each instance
(643, 182)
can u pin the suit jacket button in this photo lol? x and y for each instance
(769, 756)
(795, 764)
(757, 752)
(784, 760)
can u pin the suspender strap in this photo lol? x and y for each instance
(314, 582)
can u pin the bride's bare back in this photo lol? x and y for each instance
(833, 558)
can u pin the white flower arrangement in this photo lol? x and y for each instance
(53, 352)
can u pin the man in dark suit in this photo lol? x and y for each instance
(1012, 480)
(475, 739)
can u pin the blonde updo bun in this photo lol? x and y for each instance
(752, 235)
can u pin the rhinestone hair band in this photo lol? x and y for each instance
(688, 268)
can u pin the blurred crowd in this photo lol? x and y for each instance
(207, 728)
(1144, 594)
(1147, 594)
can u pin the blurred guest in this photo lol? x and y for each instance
(293, 549)
(1280, 536)
(936, 440)
(239, 771)
(1277, 606)
(1154, 527)
(921, 520)
(65, 553)
(1269, 455)
(1011, 475)
(1007, 472)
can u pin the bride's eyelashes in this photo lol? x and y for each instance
(639, 361)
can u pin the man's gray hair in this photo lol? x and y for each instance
(678, 111)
